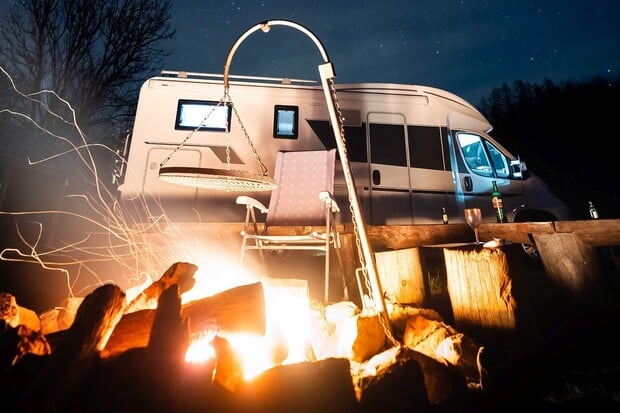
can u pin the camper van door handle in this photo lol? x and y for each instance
(468, 184)
(376, 177)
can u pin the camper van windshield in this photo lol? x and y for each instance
(203, 115)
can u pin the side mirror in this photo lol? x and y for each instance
(518, 169)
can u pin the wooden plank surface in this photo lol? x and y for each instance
(600, 232)
(596, 233)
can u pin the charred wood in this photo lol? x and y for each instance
(63, 372)
(321, 386)
(237, 309)
(179, 273)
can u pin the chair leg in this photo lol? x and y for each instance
(340, 264)
(242, 252)
(327, 259)
(329, 245)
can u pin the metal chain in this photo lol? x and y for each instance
(433, 330)
(261, 165)
(191, 133)
(358, 243)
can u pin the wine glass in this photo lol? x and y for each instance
(473, 216)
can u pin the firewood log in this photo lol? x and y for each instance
(239, 309)
(77, 352)
(142, 379)
(228, 365)
(168, 341)
(407, 380)
(179, 273)
(307, 387)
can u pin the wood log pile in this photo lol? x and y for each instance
(125, 357)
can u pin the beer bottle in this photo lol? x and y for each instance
(444, 215)
(498, 204)
(592, 210)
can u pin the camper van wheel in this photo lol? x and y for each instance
(525, 215)
(530, 250)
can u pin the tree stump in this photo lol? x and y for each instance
(573, 268)
(402, 276)
(479, 285)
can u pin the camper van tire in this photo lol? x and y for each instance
(533, 216)
(530, 250)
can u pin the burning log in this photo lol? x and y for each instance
(179, 273)
(320, 386)
(228, 365)
(20, 332)
(165, 358)
(141, 379)
(18, 342)
(14, 315)
(443, 343)
(76, 354)
(396, 383)
(401, 379)
(237, 309)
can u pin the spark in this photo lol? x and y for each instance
(115, 239)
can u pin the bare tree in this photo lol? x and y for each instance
(93, 53)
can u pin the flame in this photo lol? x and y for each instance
(287, 315)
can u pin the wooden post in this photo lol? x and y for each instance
(479, 286)
(402, 275)
(573, 268)
(350, 263)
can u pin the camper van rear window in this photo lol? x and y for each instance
(285, 122)
(203, 115)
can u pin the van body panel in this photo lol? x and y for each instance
(413, 150)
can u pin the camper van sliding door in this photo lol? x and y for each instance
(431, 175)
(390, 186)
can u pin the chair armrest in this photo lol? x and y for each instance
(251, 202)
(330, 200)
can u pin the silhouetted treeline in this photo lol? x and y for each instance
(566, 135)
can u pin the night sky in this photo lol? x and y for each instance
(465, 47)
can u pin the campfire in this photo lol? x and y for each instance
(256, 345)
(286, 337)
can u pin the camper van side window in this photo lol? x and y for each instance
(203, 115)
(387, 144)
(425, 148)
(285, 122)
(474, 154)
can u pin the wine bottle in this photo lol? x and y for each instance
(498, 204)
(444, 215)
(592, 210)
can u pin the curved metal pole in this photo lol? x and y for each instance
(326, 72)
(265, 27)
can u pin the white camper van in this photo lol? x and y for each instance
(413, 150)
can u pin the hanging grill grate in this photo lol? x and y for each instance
(217, 179)
(228, 180)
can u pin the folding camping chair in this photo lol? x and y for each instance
(304, 196)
